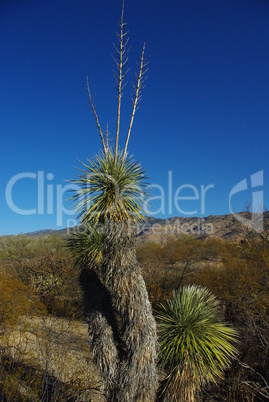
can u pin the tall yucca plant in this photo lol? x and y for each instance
(195, 345)
(110, 203)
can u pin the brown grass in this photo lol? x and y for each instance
(60, 347)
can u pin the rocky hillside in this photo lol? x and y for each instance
(220, 226)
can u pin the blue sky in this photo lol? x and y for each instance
(203, 120)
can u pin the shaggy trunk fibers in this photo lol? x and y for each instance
(102, 329)
(179, 386)
(130, 349)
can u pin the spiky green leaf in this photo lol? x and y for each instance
(108, 192)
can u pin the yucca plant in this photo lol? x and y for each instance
(110, 203)
(111, 192)
(195, 345)
(86, 245)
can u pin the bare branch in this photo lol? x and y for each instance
(137, 96)
(96, 117)
(264, 391)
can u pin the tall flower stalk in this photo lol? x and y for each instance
(110, 203)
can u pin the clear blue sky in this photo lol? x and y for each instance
(204, 114)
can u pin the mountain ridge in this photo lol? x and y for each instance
(225, 226)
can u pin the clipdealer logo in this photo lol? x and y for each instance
(50, 197)
(256, 183)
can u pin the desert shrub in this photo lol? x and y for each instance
(156, 271)
(15, 300)
(46, 267)
(175, 263)
(238, 274)
(241, 283)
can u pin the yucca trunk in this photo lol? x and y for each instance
(136, 338)
(102, 328)
(179, 386)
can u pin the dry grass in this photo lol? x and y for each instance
(60, 347)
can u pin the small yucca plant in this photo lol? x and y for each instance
(195, 345)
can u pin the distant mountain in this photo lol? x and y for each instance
(159, 230)
(221, 226)
(47, 232)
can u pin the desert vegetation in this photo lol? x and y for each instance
(237, 273)
(43, 342)
(45, 348)
(95, 317)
